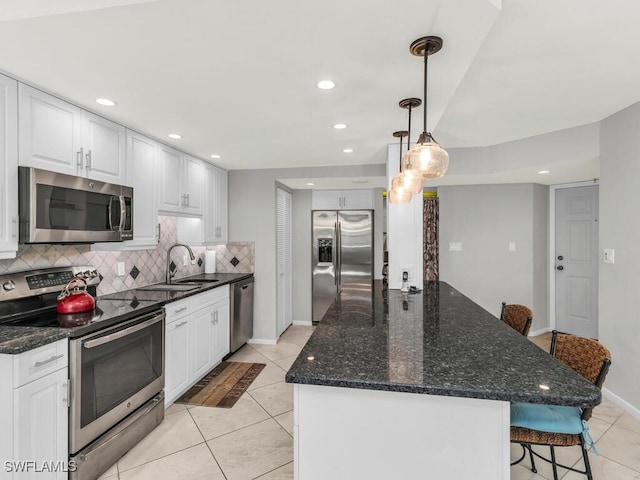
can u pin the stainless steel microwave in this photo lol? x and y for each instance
(58, 208)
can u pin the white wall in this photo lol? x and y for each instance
(252, 217)
(619, 298)
(485, 219)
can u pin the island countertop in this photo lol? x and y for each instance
(437, 342)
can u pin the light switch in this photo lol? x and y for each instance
(121, 269)
(609, 255)
(512, 246)
(455, 246)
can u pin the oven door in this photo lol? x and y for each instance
(113, 372)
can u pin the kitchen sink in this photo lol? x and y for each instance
(202, 280)
(174, 287)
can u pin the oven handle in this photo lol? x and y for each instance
(122, 333)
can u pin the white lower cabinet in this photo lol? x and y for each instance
(197, 338)
(34, 407)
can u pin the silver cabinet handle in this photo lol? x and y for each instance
(52, 359)
(181, 324)
(180, 310)
(88, 157)
(213, 317)
(14, 227)
(79, 156)
(188, 202)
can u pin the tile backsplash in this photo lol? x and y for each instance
(142, 267)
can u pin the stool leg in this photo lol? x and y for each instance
(585, 456)
(553, 463)
(533, 464)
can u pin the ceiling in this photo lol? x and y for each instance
(237, 79)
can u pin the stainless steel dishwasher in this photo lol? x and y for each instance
(241, 302)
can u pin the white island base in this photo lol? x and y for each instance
(352, 434)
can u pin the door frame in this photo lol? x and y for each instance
(552, 245)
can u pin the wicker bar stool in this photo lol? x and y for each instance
(589, 358)
(517, 317)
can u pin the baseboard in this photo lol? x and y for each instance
(539, 332)
(630, 409)
(263, 341)
(304, 323)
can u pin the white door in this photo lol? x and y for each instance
(193, 184)
(49, 132)
(8, 167)
(104, 149)
(201, 325)
(169, 189)
(142, 176)
(176, 360)
(221, 336)
(576, 260)
(41, 428)
(284, 261)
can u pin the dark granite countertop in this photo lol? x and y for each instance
(437, 342)
(110, 310)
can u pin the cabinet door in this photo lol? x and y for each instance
(8, 167)
(222, 330)
(142, 175)
(357, 199)
(221, 204)
(177, 378)
(201, 324)
(209, 216)
(41, 426)
(170, 162)
(193, 185)
(49, 132)
(326, 199)
(104, 149)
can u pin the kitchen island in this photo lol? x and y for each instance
(417, 386)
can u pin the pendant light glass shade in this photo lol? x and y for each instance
(409, 180)
(426, 159)
(399, 196)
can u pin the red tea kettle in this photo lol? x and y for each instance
(74, 298)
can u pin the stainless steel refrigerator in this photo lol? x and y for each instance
(342, 256)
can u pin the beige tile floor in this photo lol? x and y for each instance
(254, 439)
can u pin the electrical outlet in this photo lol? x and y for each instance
(455, 246)
(512, 246)
(121, 269)
(185, 260)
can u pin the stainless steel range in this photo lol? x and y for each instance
(116, 366)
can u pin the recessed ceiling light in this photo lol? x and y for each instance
(348, 150)
(325, 85)
(215, 155)
(543, 172)
(340, 126)
(105, 102)
(311, 184)
(174, 135)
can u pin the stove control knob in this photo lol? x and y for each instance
(86, 274)
(94, 273)
(8, 286)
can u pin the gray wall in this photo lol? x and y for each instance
(485, 219)
(252, 217)
(302, 255)
(619, 301)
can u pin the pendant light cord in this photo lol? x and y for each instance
(400, 154)
(426, 63)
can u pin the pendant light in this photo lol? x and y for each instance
(427, 157)
(398, 193)
(411, 178)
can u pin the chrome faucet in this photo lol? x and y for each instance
(169, 274)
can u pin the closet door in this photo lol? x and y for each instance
(284, 261)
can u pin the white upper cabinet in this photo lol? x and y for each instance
(358, 199)
(55, 135)
(215, 212)
(8, 167)
(181, 182)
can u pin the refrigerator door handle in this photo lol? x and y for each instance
(336, 254)
(339, 254)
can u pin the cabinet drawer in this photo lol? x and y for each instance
(177, 310)
(209, 298)
(37, 363)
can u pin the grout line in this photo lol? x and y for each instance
(267, 473)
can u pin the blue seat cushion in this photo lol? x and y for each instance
(547, 418)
